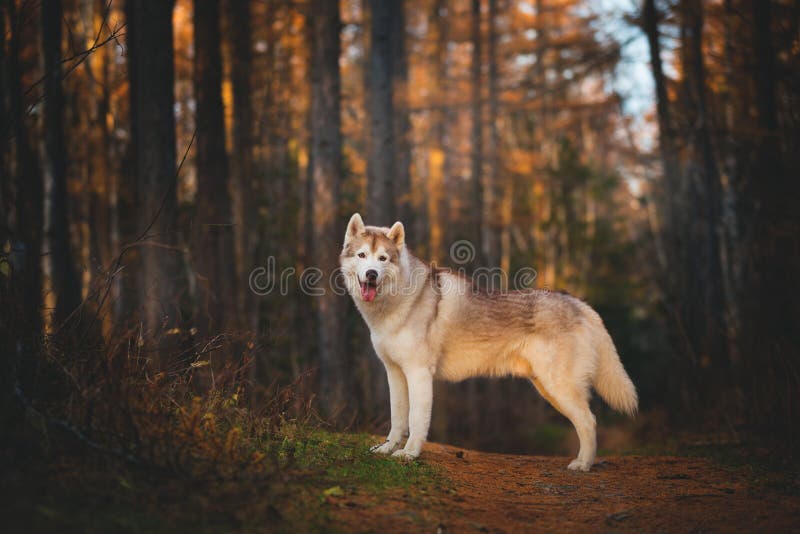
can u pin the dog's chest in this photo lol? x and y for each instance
(400, 345)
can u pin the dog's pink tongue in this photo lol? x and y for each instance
(368, 292)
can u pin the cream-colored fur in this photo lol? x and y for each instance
(427, 324)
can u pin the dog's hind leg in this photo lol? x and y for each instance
(573, 403)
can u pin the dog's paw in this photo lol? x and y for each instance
(386, 447)
(405, 455)
(579, 465)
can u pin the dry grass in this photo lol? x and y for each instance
(134, 432)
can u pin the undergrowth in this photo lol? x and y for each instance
(135, 432)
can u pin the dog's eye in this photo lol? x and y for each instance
(362, 255)
(382, 258)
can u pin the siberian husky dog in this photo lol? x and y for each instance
(431, 324)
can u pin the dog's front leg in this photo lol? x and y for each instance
(420, 394)
(398, 397)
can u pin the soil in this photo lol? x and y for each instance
(487, 492)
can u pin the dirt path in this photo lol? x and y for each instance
(503, 493)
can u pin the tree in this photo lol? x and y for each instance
(28, 205)
(381, 161)
(650, 20)
(102, 178)
(477, 198)
(5, 137)
(242, 168)
(152, 77)
(402, 124)
(212, 229)
(439, 175)
(500, 247)
(65, 282)
(769, 298)
(708, 182)
(326, 168)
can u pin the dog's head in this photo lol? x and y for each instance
(371, 258)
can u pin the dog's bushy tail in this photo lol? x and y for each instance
(611, 381)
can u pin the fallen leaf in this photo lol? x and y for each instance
(334, 491)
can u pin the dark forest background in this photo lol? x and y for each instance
(154, 153)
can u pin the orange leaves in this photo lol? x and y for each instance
(521, 162)
(213, 433)
(232, 440)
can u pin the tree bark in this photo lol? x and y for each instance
(674, 221)
(496, 220)
(497, 179)
(104, 240)
(212, 226)
(731, 147)
(152, 78)
(381, 161)
(439, 206)
(8, 349)
(240, 35)
(326, 168)
(29, 202)
(402, 125)
(771, 288)
(713, 342)
(6, 186)
(477, 199)
(64, 278)
(666, 131)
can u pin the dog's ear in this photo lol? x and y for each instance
(354, 227)
(397, 234)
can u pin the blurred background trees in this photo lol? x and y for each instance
(154, 153)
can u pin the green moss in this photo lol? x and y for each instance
(345, 460)
(340, 466)
(314, 472)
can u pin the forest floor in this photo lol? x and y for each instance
(338, 486)
(505, 493)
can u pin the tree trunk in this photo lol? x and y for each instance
(713, 336)
(732, 166)
(326, 168)
(496, 221)
(666, 132)
(64, 278)
(770, 296)
(8, 349)
(439, 172)
(381, 161)
(29, 205)
(674, 221)
(477, 199)
(402, 125)
(104, 244)
(6, 185)
(499, 175)
(212, 225)
(242, 169)
(152, 78)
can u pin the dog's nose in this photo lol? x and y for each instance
(372, 275)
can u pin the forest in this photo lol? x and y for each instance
(176, 177)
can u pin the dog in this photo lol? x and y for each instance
(431, 324)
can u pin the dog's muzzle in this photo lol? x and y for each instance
(369, 287)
